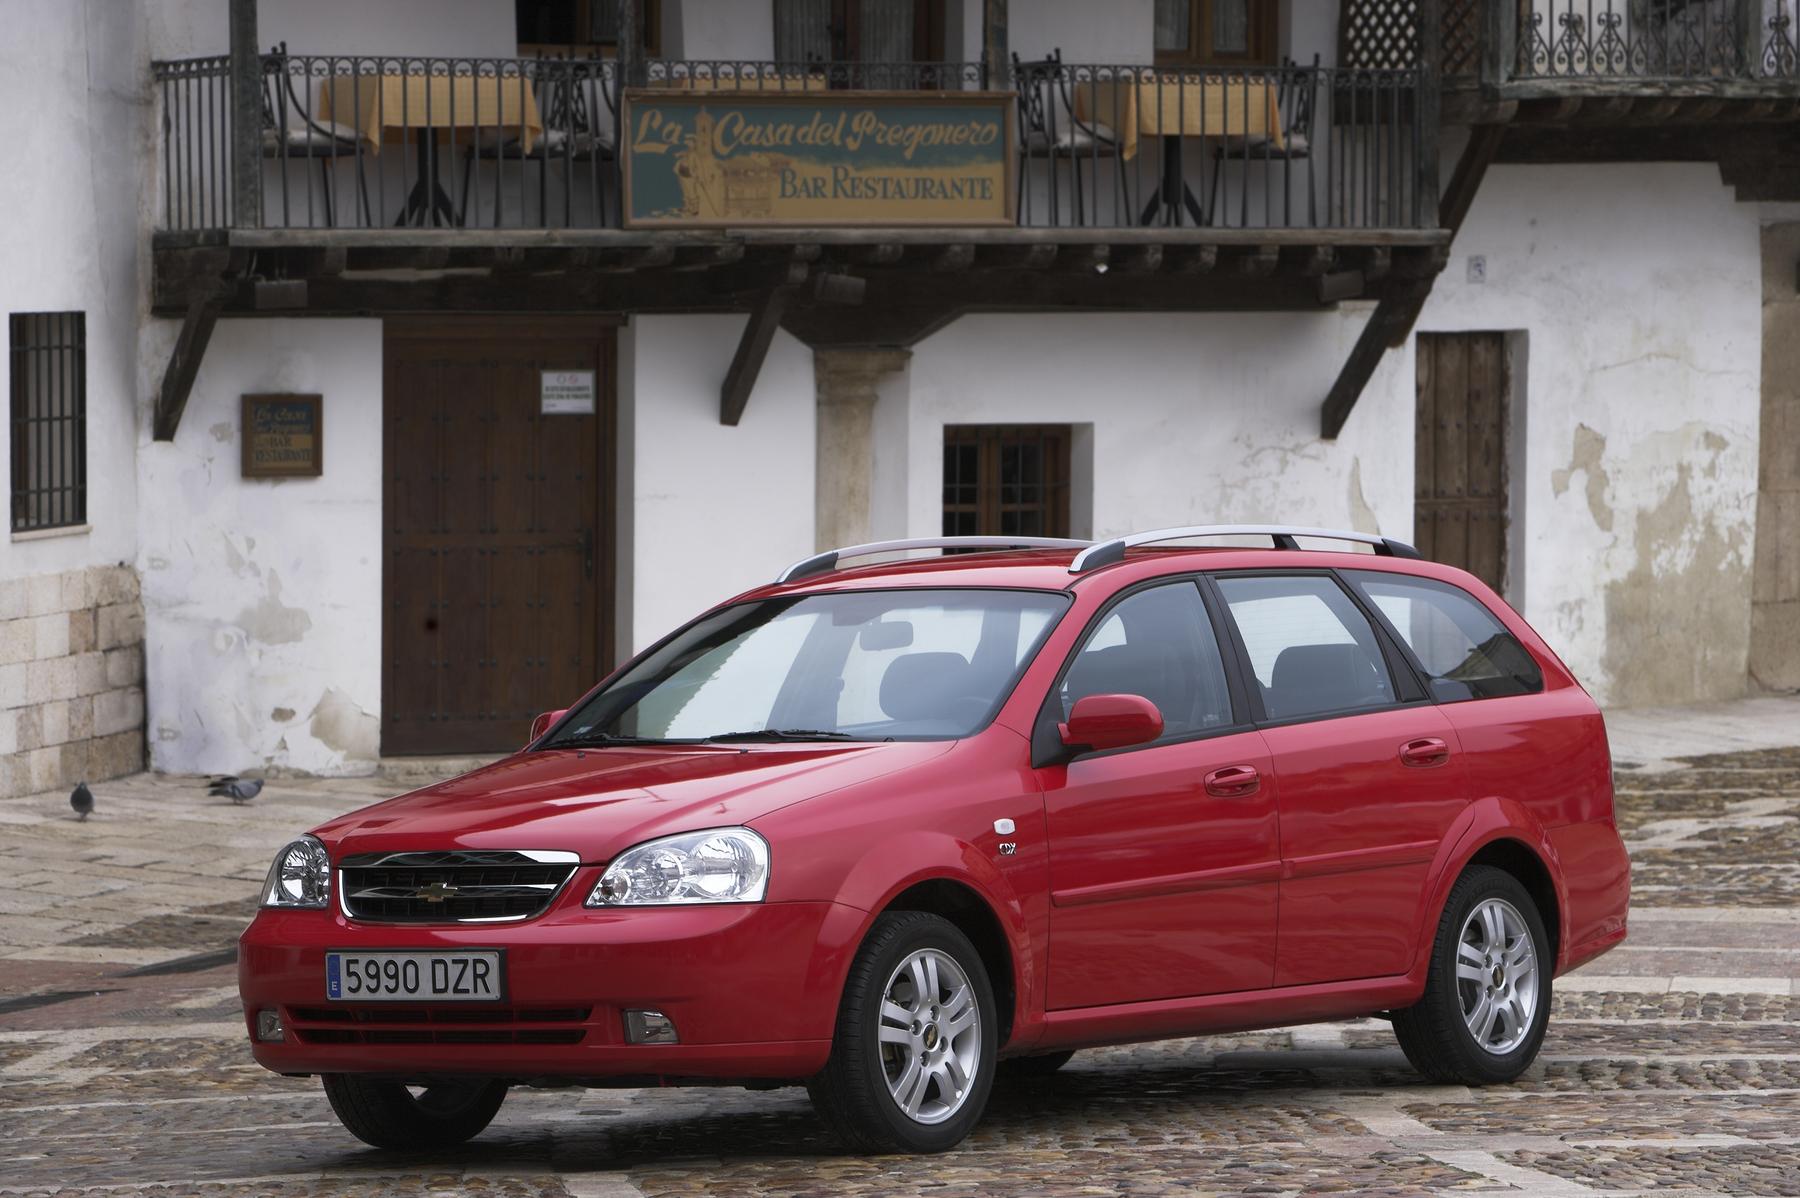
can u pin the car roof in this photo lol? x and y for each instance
(1048, 569)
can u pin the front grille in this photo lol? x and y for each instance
(438, 1025)
(457, 886)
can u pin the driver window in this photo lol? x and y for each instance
(1311, 649)
(1157, 643)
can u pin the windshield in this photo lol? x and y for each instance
(853, 665)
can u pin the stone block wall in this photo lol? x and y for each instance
(71, 679)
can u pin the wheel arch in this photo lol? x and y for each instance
(1501, 833)
(960, 904)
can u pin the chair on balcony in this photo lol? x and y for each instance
(1297, 100)
(570, 96)
(1050, 129)
(290, 131)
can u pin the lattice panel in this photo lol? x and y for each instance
(1462, 38)
(1378, 34)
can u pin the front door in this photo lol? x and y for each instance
(495, 552)
(1370, 773)
(1459, 454)
(1160, 887)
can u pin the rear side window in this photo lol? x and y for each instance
(1466, 652)
(1311, 649)
(1157, 643)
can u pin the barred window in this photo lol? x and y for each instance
(49, 419)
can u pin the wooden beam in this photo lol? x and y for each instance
(753, 347)
(957, 257)
(1471, 168)
(1260, 261)
(884, 253)
(184, 361)
(1022, 257)
(246, 120)
(994, 50)
(833, 287)
(1140, 260)
(1341, 285)
(1395, 313)
(1194, 260)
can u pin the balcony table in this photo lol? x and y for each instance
(384, 107)
(1173, 105)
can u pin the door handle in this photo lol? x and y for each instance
(1233, 782)
(1425, 752)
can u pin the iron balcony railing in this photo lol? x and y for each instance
(374, 141)
(1688, 43)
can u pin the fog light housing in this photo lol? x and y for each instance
(649, 1027)
(268, 1027)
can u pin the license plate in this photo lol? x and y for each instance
(474, 976)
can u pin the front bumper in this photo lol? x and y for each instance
(752, 989)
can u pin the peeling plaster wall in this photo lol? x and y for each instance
(1196, 419)
(1639, 288)
(262, 599)
(714, 510)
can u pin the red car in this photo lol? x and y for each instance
(892, 831)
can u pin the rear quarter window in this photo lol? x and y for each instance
(1465, 651)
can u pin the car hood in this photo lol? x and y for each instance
(597, 802)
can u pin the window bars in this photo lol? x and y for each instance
(49, 419)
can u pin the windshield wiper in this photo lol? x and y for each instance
(598, 740)
(783, 734)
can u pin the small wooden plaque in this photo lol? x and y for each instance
(283, 436)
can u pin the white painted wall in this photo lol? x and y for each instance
(716, 510)
(1120, 31)
(415, 28)
(69, 240)
(1639, 289)
(725, 29)
(1196, 418)
(262, 598)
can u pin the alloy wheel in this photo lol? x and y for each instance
(1496, 976)
(930, 1036)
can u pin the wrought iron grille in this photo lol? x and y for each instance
(1655, 39)
(49, 419)
(371, 142)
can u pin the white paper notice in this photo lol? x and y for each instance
(567, 392)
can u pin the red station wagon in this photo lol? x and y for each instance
(892, 831)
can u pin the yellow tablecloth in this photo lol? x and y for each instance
(1176, 105)
(374, 105)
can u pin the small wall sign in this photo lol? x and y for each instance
(566, 392)
(283, 436)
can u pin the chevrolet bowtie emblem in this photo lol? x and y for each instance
(437, 892)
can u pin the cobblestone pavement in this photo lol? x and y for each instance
(1672, 1066)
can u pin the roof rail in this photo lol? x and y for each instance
(1105, 553)
(819, 563)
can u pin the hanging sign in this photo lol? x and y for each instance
(566, 392)
(283, 436)
(716, 158)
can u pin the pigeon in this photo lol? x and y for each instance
(238, 790)
(81, 800)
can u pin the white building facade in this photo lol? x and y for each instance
(1605, 349)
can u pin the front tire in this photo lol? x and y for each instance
(1486, 1004)
(386, 1114)
(912, 1060)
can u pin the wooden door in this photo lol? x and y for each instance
(496, 546)
(1460, 452)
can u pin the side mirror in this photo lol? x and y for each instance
(1111, 722)
(542, 723)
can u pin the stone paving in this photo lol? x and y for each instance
(1672, 1066)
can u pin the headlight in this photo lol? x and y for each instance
(723, 865)
(300, 877)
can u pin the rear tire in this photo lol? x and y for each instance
(1041, 1065)
(386, 1114)
(912, 1060)
(1486, 1004)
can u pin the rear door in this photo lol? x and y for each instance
(1160, 886)
(1369, 772)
